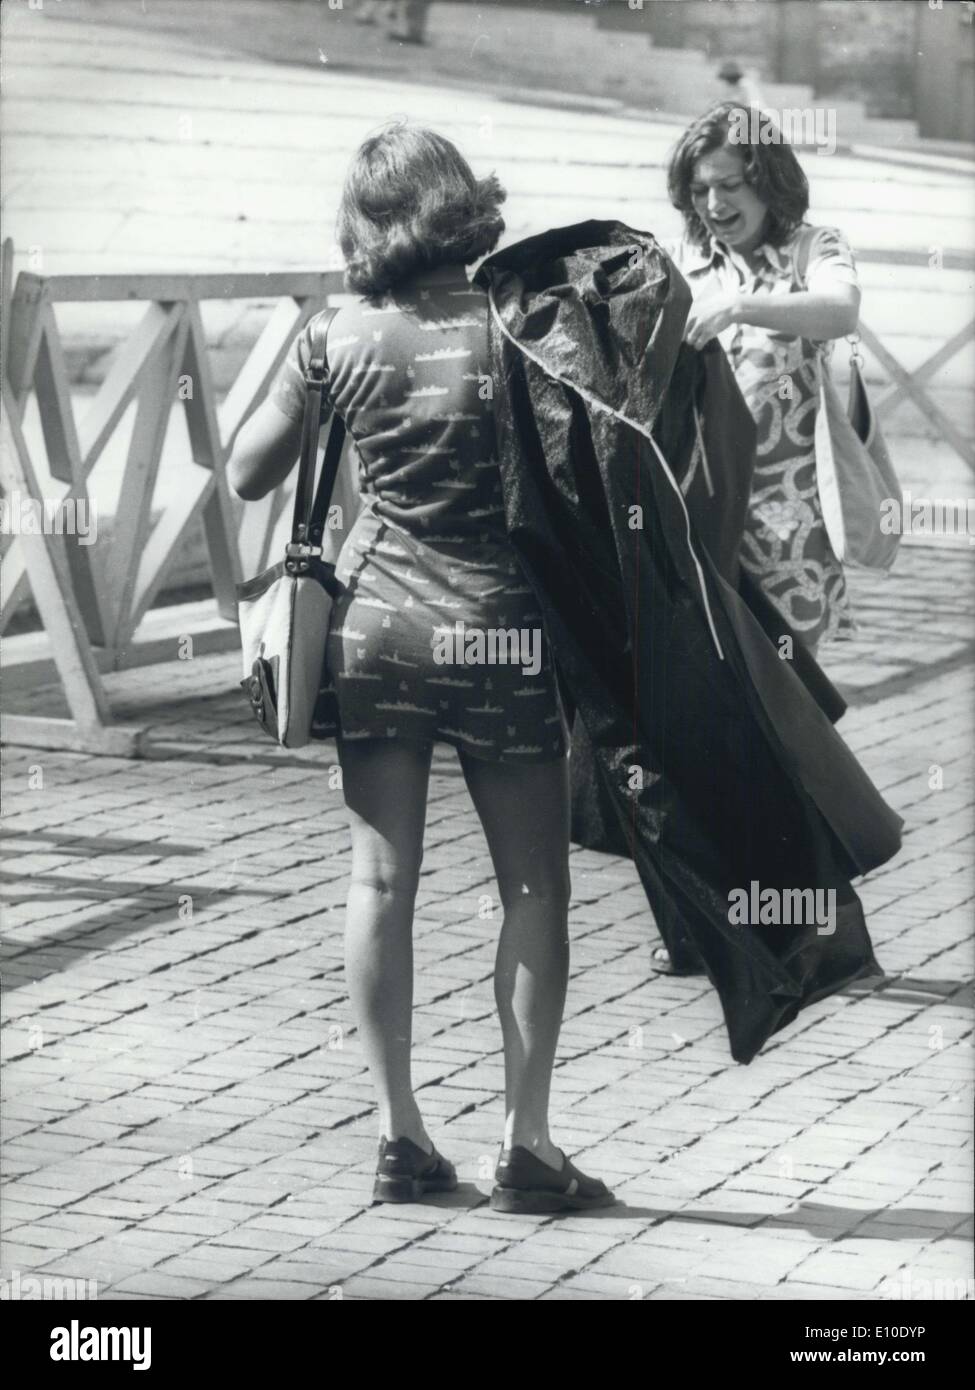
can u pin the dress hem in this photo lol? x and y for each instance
(519, 760)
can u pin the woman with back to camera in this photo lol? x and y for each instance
(408, 372)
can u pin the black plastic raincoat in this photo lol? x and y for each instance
(717, 756)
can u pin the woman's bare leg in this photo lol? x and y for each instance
(385, 785)
(525, 815)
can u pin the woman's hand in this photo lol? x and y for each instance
(711, 315)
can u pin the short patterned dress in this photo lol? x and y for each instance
(437, 636)
(785, 546)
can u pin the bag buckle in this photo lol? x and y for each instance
(315, 375)
(302, 550)
(299, 555)
(256, 696)
(856, 356)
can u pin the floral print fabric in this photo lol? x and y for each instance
(785, 545)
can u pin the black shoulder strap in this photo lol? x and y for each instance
(308, 524)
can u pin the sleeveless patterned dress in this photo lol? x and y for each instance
(427, 565)
(785, 545)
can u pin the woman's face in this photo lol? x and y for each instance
(727, 205)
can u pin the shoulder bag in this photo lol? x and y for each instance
(854, 471)
(284, 612)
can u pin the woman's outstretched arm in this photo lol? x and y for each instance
(265, 451)
(814, 314)
(827, 305)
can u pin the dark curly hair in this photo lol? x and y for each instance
(411, 203)
(772, 171)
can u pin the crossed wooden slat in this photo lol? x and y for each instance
(96, 593)
(911, 384)
(91, 599)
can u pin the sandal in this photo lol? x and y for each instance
(405, 1173)
(526, 1185)
(661, 963)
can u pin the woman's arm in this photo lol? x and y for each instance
(815, 314)
(264, 452)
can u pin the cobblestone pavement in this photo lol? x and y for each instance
(187, 1113)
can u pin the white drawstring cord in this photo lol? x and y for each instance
(704, 453)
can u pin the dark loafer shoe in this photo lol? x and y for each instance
(527, 1185)
(405, 1173)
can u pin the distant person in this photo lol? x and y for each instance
(404, 20)
(738, 85)
(369, 11)
(410, 21)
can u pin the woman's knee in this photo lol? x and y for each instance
(386, 877)
(386, 826)
(542, 886)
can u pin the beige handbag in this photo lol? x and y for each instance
(284, 613)
(854, 472)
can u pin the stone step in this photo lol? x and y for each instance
(786, 94)
(682, 59)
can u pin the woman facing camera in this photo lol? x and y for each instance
(774, 291)
(431, 580)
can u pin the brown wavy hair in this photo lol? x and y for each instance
(410, 203)
(772, 171)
